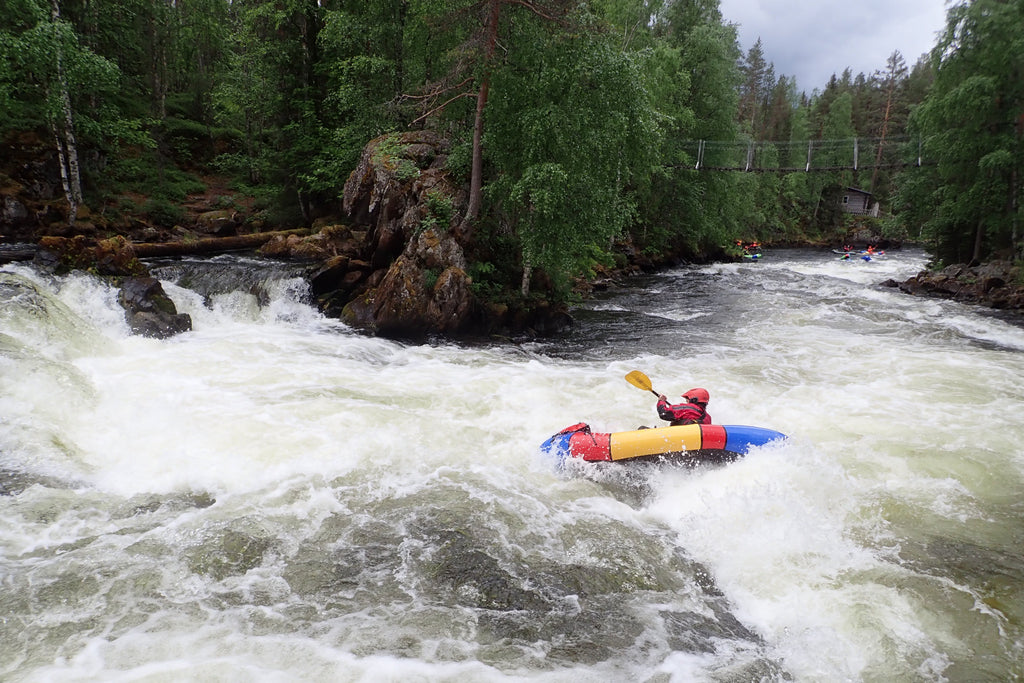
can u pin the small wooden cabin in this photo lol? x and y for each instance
(859, 202)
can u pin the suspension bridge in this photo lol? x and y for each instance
(852, 154)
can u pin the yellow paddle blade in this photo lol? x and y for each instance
(639, 380)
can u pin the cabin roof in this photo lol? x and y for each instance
(857, 189)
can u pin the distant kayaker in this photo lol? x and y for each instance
(693, 411)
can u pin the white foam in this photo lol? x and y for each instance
(904, 425)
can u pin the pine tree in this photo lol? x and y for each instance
(972, 124)
(895, 74)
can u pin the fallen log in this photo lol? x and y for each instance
(210, 245)
(17, 252)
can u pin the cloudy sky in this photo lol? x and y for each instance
(812, 39)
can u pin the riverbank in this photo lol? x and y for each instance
(393, 259)
(997, 284)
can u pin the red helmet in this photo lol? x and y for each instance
(697, 395)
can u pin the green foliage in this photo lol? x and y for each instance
(483, 284)
(45, 61)
(969, 125)
(569, 127)
(390, 153)
(189, 141)
(147, 174)
(893, 229)
(164, 213)
(430, 276)
(597, 257)
(360, 71)
(440, 206)
(460, 160)
(589, 131)
(18, 16)
(685, 208)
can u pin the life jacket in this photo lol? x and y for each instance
(683, 413)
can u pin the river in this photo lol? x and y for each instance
(274, 497)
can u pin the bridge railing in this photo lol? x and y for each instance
(852, 154)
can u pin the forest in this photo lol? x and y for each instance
(574, 127)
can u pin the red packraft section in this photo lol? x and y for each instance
(590, 446)
(713, 437)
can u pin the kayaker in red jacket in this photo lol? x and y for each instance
(693, 411)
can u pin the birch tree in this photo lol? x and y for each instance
(62, 121)
(570, 134)
(473, 69)
(50, 74)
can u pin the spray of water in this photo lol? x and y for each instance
(273, 496)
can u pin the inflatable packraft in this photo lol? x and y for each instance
(702, 442)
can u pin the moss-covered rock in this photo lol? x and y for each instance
(997, 284)
(149, 311)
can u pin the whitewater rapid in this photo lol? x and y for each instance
(274, 496)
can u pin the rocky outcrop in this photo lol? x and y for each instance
(424, 291)
(30, 188)
(398, 270)
(417, 283)
(149, 311)
(997, 284)
(410, 278)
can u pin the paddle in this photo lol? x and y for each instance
(641, 381)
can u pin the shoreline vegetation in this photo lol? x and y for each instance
(386, 265)
(460, 172)
(997, 284)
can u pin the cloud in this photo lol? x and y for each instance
(813, 39)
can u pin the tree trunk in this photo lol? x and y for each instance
(979, 234)
(210, 245)
(896, 71)
(881, 141)
(1015, 194)
(524, 287)
(476, 177)
(64, 133)
(305, 206)
(158, 42)
(1014, 216)
(65, 180)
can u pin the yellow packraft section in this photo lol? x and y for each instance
(641, 442)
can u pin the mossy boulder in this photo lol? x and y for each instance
(149, 311)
